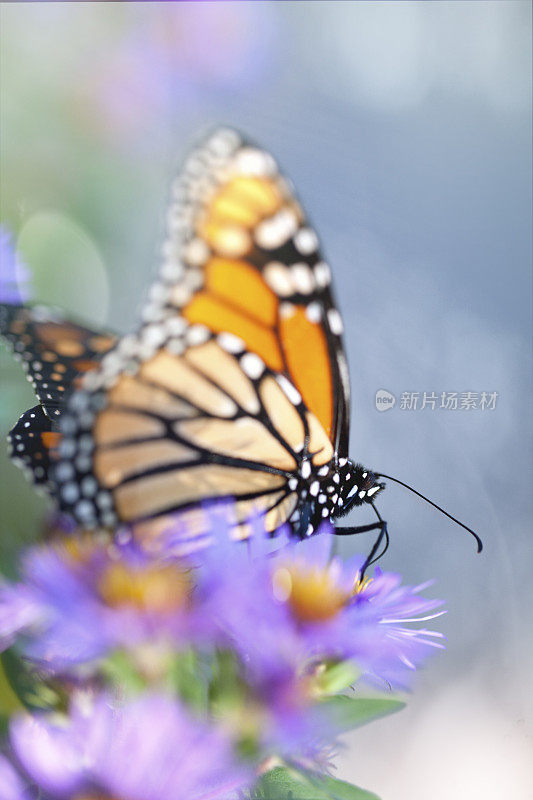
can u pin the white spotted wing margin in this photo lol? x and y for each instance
(30, 443)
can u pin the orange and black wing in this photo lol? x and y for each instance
(242, 258)
(236, 384)
(53, 351)
(210, 423)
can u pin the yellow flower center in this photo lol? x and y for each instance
(312, 593)
(159, 588)
(78, 548)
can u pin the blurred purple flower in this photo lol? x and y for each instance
(170, 61)
(14, 275)
(292, 725)
(218, 46)
(132, 88)
(148, 749)
(19, 611)
(11, 784)
(79, 599)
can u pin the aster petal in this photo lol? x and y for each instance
(48, 754)
(148, 749)
(14, 274)
(317, 549)
(175, 757)
(19, 612)
(11, 785)
(70, 621)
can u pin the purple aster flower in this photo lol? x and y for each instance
(80, 599)
(340, 618)
(148, 749)
(299, 607)
(14, 275)
(389, 648)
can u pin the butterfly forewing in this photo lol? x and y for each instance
(242, 258)
(54, 351)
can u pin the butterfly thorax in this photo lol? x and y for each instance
(331, 491)
(358, 485)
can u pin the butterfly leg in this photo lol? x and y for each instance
(353, 529)
(382, 535)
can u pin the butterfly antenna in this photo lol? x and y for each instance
(431, 503)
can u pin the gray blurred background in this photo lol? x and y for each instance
(406, 128)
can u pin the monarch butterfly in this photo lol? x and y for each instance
(234, 386)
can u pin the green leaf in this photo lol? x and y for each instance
(341, 790)
(119, 670)
(226, 684)
(336, 677)
(347, 713)
(9, 700)
(4, 727)
(282, 783)
(187, 680)
(33, 693)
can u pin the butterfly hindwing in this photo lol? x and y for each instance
(33, 444)
(53, 350)
(183, 429)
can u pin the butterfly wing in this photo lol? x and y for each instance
(53, 351)
(33, 445)
(241, 257)
(237, 376)
(185, 428)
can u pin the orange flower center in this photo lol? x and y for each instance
(312, 593)
(153, 588)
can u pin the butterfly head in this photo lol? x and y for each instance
(357, 485)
